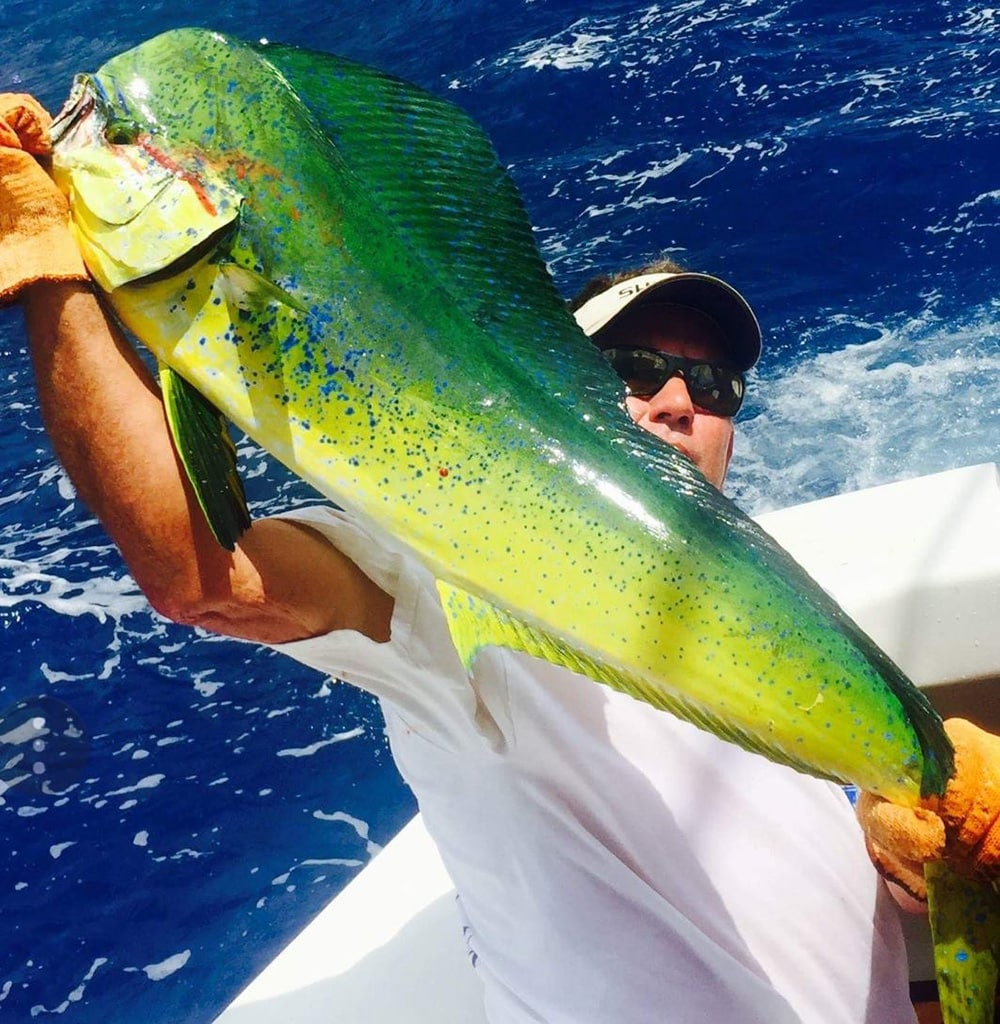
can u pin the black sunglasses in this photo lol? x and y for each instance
(713, 387)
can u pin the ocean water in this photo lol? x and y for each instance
(839, 165)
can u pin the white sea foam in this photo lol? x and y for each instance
(101, 596)
(75, 995)
(343, 862)
(148, 782)
(923, 396)
(207, 689)
(186, 853)
(977, 20)
(359, 826)
(580, 53)
(163, 969)
(632, 181)
(313, 748)
(979, 213)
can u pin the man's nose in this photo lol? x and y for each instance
(671, 404)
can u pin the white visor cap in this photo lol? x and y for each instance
(709, 295)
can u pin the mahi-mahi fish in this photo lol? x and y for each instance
(335, 261)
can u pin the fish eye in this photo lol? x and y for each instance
(122, 132)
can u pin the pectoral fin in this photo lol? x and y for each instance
(201, 438)
(965, 926)
(246, 289)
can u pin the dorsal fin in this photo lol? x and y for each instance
(433, 171)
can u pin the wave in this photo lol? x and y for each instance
(919, 395)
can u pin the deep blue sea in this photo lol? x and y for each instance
(839, 163)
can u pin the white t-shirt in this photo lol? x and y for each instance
(615, 864)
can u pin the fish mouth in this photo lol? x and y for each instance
(80, 105)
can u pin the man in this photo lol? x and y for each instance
(613, 863)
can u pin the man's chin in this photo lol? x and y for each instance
(716, 480)
(683, 451)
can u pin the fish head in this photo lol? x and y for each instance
(142, 198)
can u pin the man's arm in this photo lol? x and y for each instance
(102, 410)
(104, 415)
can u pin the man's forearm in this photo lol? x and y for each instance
(103, 413)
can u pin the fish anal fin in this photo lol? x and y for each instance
(201, 438)
(475, 623)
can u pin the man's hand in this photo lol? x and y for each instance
(36, 243)
(962, 827)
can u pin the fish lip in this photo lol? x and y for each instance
(80, 104)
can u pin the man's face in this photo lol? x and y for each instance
(706, 439)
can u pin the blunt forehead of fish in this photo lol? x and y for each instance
(143, 98)
(140, 81)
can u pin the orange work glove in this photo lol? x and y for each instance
(962, 827)
(36, 243)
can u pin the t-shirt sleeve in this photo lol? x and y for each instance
(417, 670)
